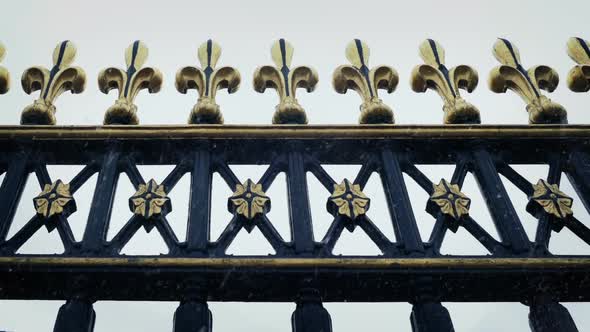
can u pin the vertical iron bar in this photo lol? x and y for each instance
(499, 205)
(310, 315)
(400, 208)
(550, 316)
(75, 316)
(431, 317)
(11, 191)
(193, 316)
(100, 211)
(299, 210)
(197, 235)
(543, 234)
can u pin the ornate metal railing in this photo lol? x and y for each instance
(303, 269)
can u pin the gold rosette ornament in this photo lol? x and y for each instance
(4, 75)
(207, 80)
(129, 82)
(548, 199)
(348, 201)
(150, 200)
(578, 79)
(446, 82)
(527, 84)
(450, 201)
(285, 80)
(51, 83)
(55, 199)
(248, 200)
(366, 82)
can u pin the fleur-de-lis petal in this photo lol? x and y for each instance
(286, 81)
(248, 200)
(207, 80)
(52, 83)
(347, 200)
(547, 198)
(129, 82)
(149, 200)
(578, 79)
(435, 75)
(55, 199)
(366, 82)
(527, 84)
(4, 75)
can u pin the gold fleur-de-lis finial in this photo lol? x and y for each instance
(207, 80)
(4, 75)
(129, 82)
(578, 79)
(285, 80)
(366, 82)
(51, 83)
(526, 83)
(447, 82)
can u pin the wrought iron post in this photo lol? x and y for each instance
(310, 315)
(501, 209)
(547, 315)
(100, 212)
(75, 316)
(299, 210)
(200, 202)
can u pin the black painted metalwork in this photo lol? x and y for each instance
(304, 270)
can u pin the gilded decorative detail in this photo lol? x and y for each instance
(129, 82)
(578, 79)
(207, 80)
(527, 84)
(348, 200)
(149, 200)
(366, 82)
(55, 199)
(446, 82)
(285, 80)
(248, 200)
(4, 75)
(552, 200)
(51, 83)
(450, 200)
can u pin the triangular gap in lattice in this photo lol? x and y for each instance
(179, 197)
(253, 243)
(25, 209)
(279, 212)
(318, 195)
(120, 212)
(566, 242)
(532, 173)
(379, 211)
(419, 197)
(220, 216)
(144, 243)
(462, 243)
(42, 243)
(356, 243)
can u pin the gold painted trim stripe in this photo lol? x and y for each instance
(348, 263)
(292, 131)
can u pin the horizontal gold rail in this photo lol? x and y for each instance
(348, 263)
(293, 131)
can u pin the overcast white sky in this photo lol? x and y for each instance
(319, 31)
